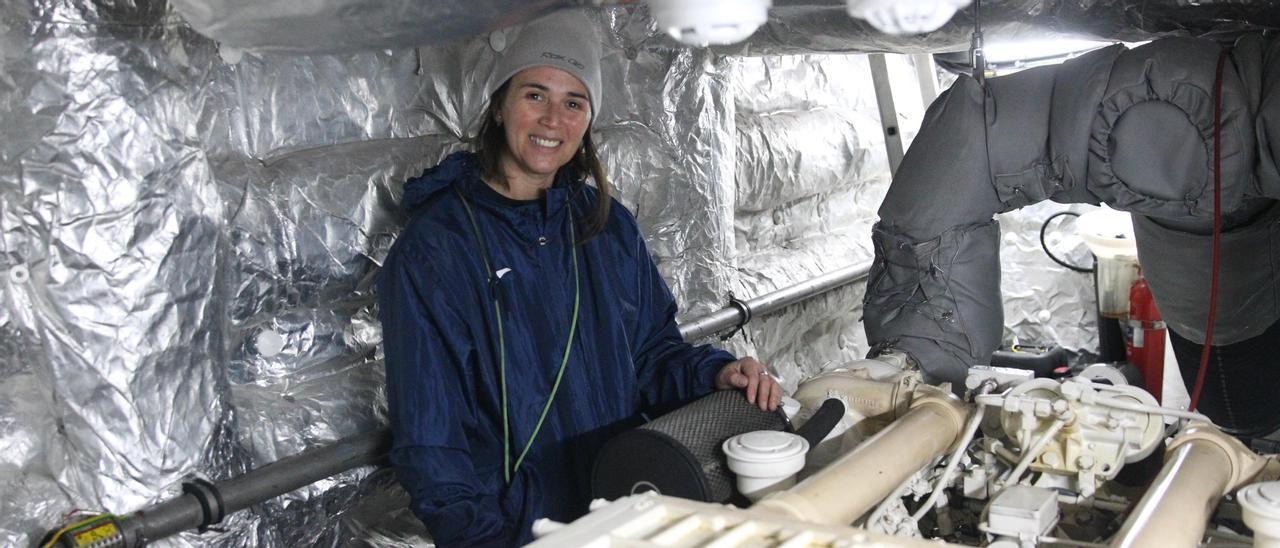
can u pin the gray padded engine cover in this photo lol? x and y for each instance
(1267, 124)
(1177, 266)
(1132, 128)
(937, 299)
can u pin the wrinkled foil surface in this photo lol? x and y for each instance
(1044, 303)
(189, 235)
(794, 27)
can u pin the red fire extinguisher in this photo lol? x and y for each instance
(1144, 345)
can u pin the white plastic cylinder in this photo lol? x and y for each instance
(1260, 505)
(1109, 235)
(765, 461)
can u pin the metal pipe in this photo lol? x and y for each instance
(1201, 465)
(189, 511)
(842, 492)
(732, 316)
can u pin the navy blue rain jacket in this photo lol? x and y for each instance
(443, 380)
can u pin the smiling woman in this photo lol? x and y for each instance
(544, 112)
(524, 321)
(546, 87)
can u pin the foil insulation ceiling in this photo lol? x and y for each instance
(338, 26)
(794, 27)
(189, 234)
(806, 26)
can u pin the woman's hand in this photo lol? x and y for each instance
(752, 377)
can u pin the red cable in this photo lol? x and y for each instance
(1217, 230)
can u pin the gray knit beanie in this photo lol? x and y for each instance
(565, 40)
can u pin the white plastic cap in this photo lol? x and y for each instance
(905, 16)
(765, 460)
(1260, 503)
(710, 22)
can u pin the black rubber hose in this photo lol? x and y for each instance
(1045, 227)
(822, 422)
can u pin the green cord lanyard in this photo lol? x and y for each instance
(507, 468)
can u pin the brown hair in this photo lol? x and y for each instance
(492, 141)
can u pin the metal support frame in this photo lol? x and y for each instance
(888, 112)
(926, 76)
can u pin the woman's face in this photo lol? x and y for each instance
(544, 115)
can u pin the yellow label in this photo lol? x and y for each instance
(96, 534)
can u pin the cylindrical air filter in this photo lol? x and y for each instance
(678, 454)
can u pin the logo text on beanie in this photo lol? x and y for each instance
(570, 60)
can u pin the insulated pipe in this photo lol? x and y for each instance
(1089, 130)
(736, 315)
(1201, 465)
(842, 492)
(209, 502)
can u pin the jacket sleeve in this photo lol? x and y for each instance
(669, 370)
(430, 407)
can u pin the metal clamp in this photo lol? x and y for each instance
(211, 507)
(744, 312)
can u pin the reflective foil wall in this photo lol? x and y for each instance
(811, 172)
(189, 238)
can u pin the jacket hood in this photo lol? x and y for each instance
(456, 168)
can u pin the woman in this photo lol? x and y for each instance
(523, 318)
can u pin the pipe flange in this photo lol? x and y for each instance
(951, 406)
(1245, 464)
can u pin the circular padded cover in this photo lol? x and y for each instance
(1152, 142)
(1156, 152)
(679, 453)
